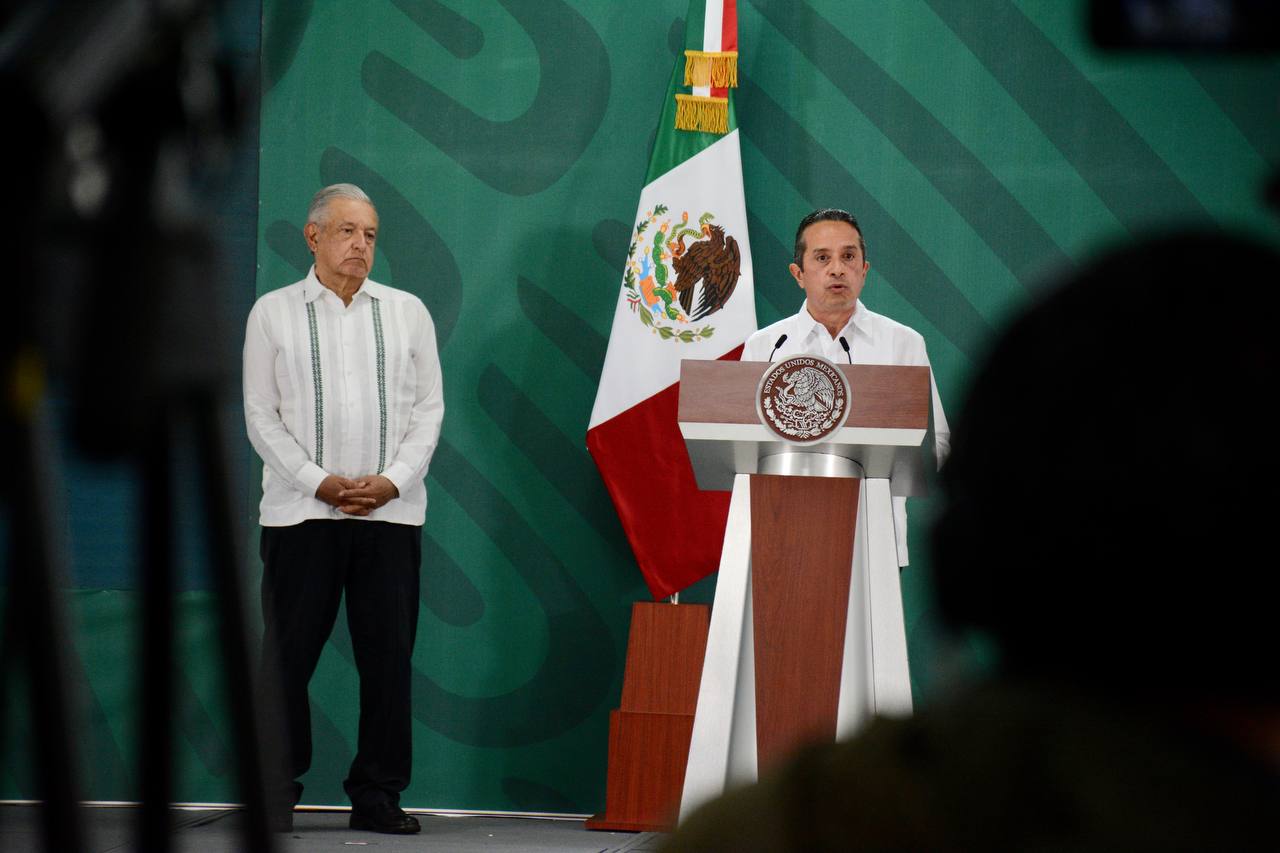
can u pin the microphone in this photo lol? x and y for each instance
(782, 340)
(845, 345)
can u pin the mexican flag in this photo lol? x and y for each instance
(687, 292)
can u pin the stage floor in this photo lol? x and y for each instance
(111, 830)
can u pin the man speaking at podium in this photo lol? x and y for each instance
(831, 267)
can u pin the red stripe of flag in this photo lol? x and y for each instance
(728, 38)
(675, 529)
(729, 26)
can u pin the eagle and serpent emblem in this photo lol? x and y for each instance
(803, 399)
(672, 283)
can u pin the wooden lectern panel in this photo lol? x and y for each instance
(801, 558)
(884, 395)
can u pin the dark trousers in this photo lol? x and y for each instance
(306, 569)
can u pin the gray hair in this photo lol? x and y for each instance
(318, 211)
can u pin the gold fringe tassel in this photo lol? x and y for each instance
(696, 112)
(711, 69)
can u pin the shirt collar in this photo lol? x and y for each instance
(806, 325)
(861, 320)
(312, 289)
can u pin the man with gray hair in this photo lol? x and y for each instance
(343, 402)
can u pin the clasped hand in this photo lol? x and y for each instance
(360, 496)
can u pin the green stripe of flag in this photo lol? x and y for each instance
(672, 147)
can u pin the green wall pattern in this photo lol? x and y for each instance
(983, 144)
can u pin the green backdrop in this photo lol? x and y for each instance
(984, 145)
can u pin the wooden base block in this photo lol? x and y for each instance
(647, 755)
(649, 735)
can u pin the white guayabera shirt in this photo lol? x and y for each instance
(873, 339)
(347, 390)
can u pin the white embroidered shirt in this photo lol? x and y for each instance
(351, 390)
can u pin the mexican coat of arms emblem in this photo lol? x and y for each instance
(678, 275)
(803, 399)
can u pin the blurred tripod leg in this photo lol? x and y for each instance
(157, 701)
(227, 551)
(35, 624)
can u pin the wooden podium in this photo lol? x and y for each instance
(807, 638)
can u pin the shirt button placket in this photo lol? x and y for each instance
(350, 359)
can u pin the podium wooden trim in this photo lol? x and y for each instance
(649, 733)
(807, 638)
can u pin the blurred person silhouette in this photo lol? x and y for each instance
(1107, 515)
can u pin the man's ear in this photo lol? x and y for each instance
(310, 232)
(795, 273)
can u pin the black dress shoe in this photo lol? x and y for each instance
(385, 817)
